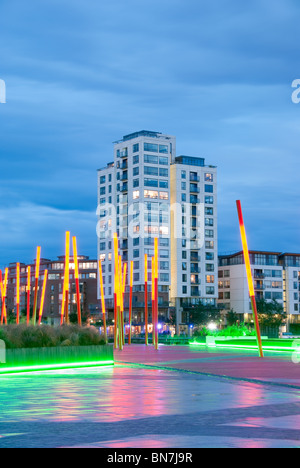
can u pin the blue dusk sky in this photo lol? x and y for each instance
(80, 74)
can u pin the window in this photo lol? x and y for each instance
(136, 159)
(163, 149)
(163, 161)
(136, 171)
(136, 148)
(210, 279)
(183, 185)
(149, 159)
(183, 174)
(184, 289)
(136, 277)
(209, 200)
(209, 244)
(164, 254)
(183, 197)
(210, 267)
(163, 172)
(210, 256)
(164, 195)
(209, 222)
(210, 290)
(151, 183)
(209, 233)
(209, 188)
(163, 184)
(151, 147)
(209, 211)
(209, 177)
(151, 170)
(164, 277)
(136, 194)
(102, 179)
(136, 253)
(102, 191)
(136, 182)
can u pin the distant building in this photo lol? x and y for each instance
(53, 298)
(276, 276)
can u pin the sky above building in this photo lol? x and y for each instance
(81, 74)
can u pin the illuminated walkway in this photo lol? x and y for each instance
(150, 407)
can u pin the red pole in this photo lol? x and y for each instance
(28, 294)
(77, 280)
(37, 273)
(130, 302)
(146, 299)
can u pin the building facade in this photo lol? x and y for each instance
(276, 277)
(148, 192)
(53, 296)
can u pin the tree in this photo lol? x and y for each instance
(202, 314)
(232, 317)
(270, 314)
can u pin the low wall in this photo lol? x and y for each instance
(63, 357)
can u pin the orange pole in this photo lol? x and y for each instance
(28, 294)
(130, 302)
(102, 299)
(18, 293)
(146, 299)
(153, 301)
(123, 298)
(156, 291)
(1, 288)
(4, 288)
(75, 254)
(43, 296)
(120, 309)
(65, 297)
(116, 289)
(249, 277)
(37, 274)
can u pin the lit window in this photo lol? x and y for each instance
(136, 194)
(164, 195)
(150, 194)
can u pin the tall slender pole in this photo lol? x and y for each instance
(102, 300)
(18, 293)
(43, 296)
(249, 277)
(3, 308)
(37, 274)
(156, 291)
(65, 296)
(123, 297)
(116, 289)
(130, 302)
(75, 254)
(153, 301)
(1, 288)
(120, 289)
(28, 294)
(146, 299)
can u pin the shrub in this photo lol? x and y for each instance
(234, 331)
(21, 336)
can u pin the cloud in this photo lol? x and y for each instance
(80, 75)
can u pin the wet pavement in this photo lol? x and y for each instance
(176, 407)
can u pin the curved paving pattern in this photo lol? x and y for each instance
(153, 407)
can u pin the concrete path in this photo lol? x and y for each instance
(140, 404)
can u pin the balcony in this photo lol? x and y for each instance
(195, 258)
(124, 188)
(194, 189)
(194, 178)
(124, 154)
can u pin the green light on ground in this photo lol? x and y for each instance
(248, 347)
(46, 367)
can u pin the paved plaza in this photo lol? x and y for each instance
(175, 397)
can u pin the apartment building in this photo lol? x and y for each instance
(53, 297)
(276, 277)
(148, 192)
